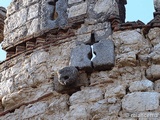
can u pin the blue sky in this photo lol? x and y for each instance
(135, 9)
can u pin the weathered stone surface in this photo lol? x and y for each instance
(157, 5)
(155, 54)
(102, 34)
(6, 87)
(74, 1)
(112, 100)
(80, 57)
(54, 107)
(28, 88)
(140, 101)
(97, 27)
(78, 111)
(68, 75)
(100, 77)
(126, 59)
(2, 17)
(77, 10)
(115, 91)
(143, 85)
(87, 94)
(33, 110)
(104, 51)
(105, 6)
(19, 19)
(39, 57)
(131, 41)
(33, 27)
(154, 35)
(33, 11)
(153, 72)
(18, 98)
(157, 86)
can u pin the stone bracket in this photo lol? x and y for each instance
(68, 80)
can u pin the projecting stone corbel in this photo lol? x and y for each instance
(69, 80)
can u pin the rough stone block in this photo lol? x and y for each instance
(115, 91)
(33, 11)
(33, 26)
(140, 101)
(33, 110)
(86, 95)
(102, 34)
(153, 72)
(157, 86)
(78, 112)
(80, 57)
(126, 59)
(16, 20)
(143, 85)
(157, 5)
(105, 56)
(67, 75)
(77, 10)
(39, 57)
(6, 87)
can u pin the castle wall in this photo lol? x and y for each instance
(128, 90)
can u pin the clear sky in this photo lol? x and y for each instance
(135, 10)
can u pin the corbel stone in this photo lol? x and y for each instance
(69, 79)
(67, 76)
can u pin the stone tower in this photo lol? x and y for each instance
(78, 60)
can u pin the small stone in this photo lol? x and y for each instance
(74, 1)
(115, 91)
(157, 86)
(143, 85)
(140, 101)
(112, 100)
(114, 109)
(153, 72)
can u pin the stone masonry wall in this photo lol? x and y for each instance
(126, 86)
